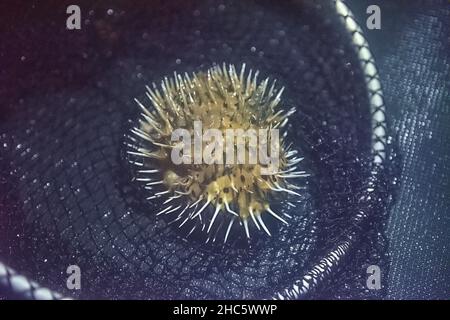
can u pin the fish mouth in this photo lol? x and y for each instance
(340, 128)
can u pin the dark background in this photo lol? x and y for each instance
(412, 54)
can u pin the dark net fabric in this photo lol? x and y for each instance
(66, 194)
(414, 66)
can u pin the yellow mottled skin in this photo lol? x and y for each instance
(221, 99)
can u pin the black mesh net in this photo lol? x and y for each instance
(66, 195)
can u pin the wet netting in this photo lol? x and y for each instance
(67, 195)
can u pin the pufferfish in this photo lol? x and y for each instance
(199, 192)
